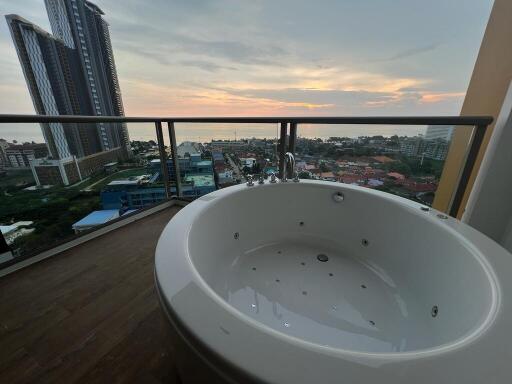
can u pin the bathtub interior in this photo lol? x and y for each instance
(367, 274)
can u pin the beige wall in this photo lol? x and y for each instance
(486, 92)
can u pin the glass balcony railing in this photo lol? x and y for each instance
(403, 160)
(47, 200)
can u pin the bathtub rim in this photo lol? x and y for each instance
(184, 224)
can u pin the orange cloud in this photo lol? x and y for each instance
(438, 97)
(143, 98)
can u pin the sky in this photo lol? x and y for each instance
(276, 57)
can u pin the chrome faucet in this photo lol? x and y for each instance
(289, 168)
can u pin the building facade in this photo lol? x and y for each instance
(71, 72)
(80, 25)
(439, 132)
(20, 155)
(3, 156)
(419, 147)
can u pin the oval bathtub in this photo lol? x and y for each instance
(325, 282)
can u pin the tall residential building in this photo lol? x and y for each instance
(56, 88)
(435, 132)
(80, 25)
(72, 73)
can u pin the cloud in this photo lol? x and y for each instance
(412, 52)
(440, 97)
(310, 96)
(205, 65)
(236, 52)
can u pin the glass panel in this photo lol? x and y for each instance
(403, 160)
(85, 176)
(213, 156)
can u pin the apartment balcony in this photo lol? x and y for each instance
(89, 307)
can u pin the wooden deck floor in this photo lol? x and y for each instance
(88, 315)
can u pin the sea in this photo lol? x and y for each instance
(207, 132)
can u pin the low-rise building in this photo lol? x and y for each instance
(328, 176)
(200, 185)
(188, 165)
(372, 183)
(248, 162)
(189, 148)
(3, 156)
(218, 159)
(383, 159)
(12, 231)
(95, 219)
(228, 145)
(351, 178)
(72, 170)
(20, 155)
(396, 176)
(139, 192)
(225, 176)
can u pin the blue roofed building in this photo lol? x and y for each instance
(198, 185)
(97, 218)
(188, 165)
(196, 175)
(94, 219)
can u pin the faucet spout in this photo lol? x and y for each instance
(289, 166)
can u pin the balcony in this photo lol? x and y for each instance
(89, 314)
(84, 308)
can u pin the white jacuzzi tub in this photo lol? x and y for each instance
(289, 283)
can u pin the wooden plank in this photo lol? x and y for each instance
(142, 353)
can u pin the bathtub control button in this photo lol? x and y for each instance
(322, 257)
(338, 197)
(435, 311)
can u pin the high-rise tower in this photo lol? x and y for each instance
(80, 25)
(72, 72)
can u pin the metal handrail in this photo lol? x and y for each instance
(288, 125)
(383, 120)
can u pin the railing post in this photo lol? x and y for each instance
(163, 158)
(469, 165)
(282, 148)
(174, 156)
(293, 138)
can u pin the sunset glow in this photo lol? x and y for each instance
(237, 58)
